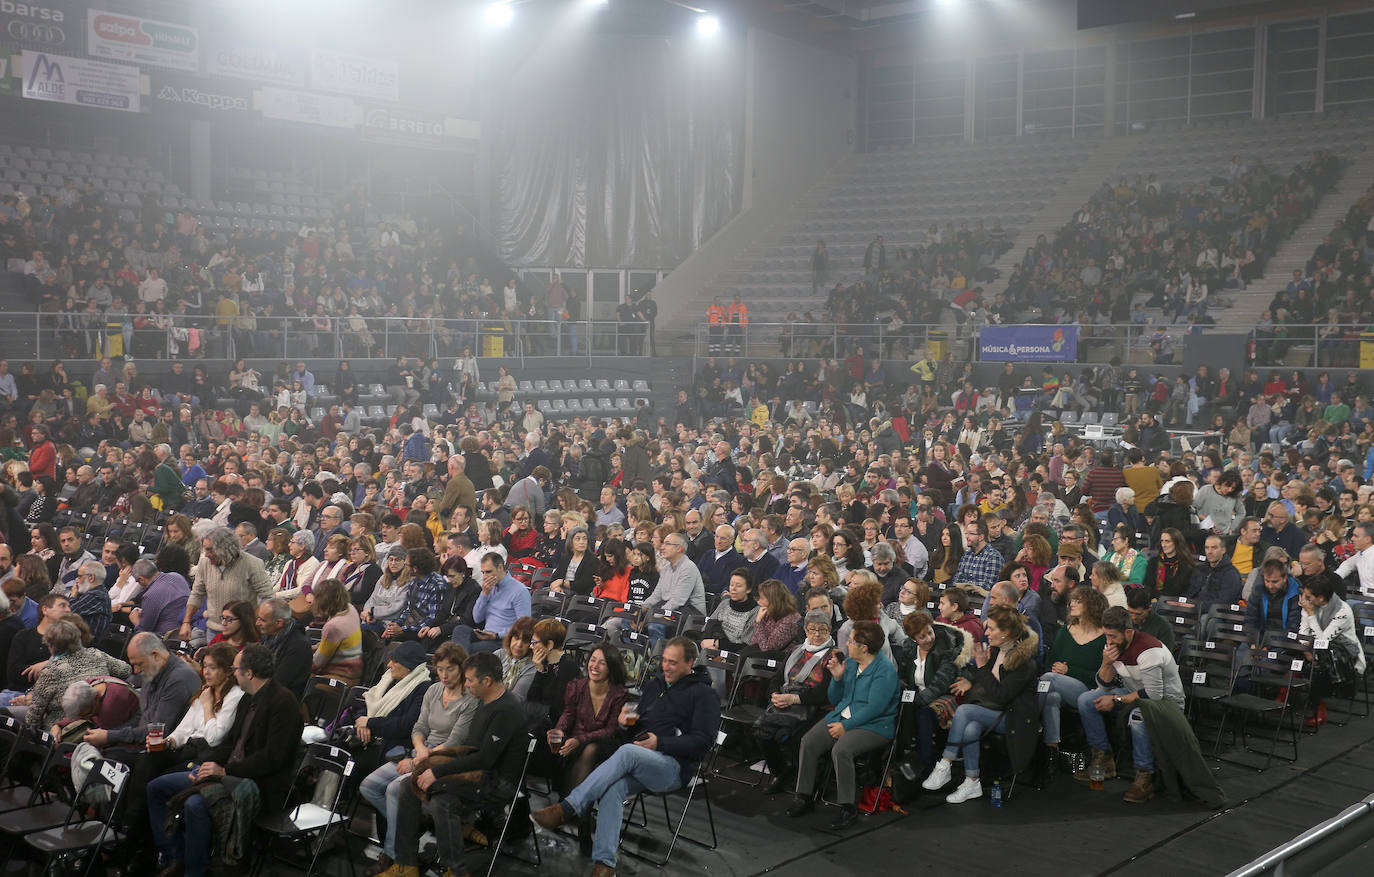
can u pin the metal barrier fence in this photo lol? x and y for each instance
(37, 336)
(1319, 846)
(1294, 346)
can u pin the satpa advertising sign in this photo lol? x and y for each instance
(1028, 343)
(80, 82)
(142, 41)
(44, 26)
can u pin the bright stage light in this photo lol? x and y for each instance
(708, 25)
(500, 14)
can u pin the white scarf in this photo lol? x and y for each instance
(388, 694)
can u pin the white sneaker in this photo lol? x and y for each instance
(969, 789)
(939, 777)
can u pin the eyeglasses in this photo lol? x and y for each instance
(226, 619)
(817, 628)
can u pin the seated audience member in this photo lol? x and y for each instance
(90, 599)
(284, 636)
(73, 658)
(497, 737)
(1073, 660)
(679, 588)
(673, 728)
(1274, 607)
(862, 603)
(775, 625)
(913, 596)
(1216, 582)
(503, 601)
(29, 650)
(577, 573)
(258, 748)
(866, 696)
(339, 654)
(554, 670)
(1107, 580)
(237, 626)
(1169, 573)
(441, 721)
(953, 605)
(586, 734)
(612, 575)
(1146, 620)
(388, 600)
(1326, 616)
(517, 664)
(1130, 562)
(928, 664)
(166, 588)
(1134, 665)
(1000, 696)
(802, 691)
(731, 625)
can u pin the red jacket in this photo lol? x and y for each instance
(43, 459)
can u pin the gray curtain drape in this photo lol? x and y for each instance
(630, 157)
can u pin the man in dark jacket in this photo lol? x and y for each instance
(1313, 561)
(1274, 607)
(1279, 530)
(1216, 582)
(498, 735)
(288, 643)
(258, 747)
(676, 726)
(717, 563)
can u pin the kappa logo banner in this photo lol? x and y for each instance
(179, 95)
(80, 82)
(1028, 343)
(44, 25)
(142, 41)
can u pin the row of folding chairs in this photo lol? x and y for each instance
(95, 529)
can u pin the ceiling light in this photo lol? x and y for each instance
(500, 14)
(708, 25)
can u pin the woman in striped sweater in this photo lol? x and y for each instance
(340, 652)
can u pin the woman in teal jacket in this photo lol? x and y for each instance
(866, 695)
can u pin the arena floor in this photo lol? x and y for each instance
(1065, 830)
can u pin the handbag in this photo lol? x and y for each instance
(1335, 671)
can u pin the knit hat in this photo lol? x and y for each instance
(819, 616)
(408, 654)
(396, 550)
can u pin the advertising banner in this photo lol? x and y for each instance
(308, 108)
(198, 97)
(80, 82)
(242, 57)
(142, 41)
(47, 25)
(1028, 343)
(350, 74)
(403, 125)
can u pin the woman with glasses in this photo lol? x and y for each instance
(388, 599)
(521, 539)
(362, 573)
(801, 694)
(237, 626)
(913, 597)
(1073, 659)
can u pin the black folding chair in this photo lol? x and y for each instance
(324, 698)
(513, 812)
(546, 604)
(699, 783)
(584, 609)
(308, 822)
(77, 835)
(1279, 683)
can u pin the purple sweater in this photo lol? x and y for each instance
(164, 603)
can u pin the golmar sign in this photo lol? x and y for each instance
(142, 41)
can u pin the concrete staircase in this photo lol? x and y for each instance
(1059, 209)
(1248, 307)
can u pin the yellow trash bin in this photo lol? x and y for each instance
(938, 342)
(493, 342)
(1367, 350)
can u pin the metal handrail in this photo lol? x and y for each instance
(1315, 844)
(800, 340)
(88, 336)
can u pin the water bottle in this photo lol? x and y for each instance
(997, 793)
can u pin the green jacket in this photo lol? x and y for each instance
(167, 484)
(1178, 758)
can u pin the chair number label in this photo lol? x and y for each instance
(1043, 686)
(1321, 643)
(1211, 645)
(908, 696)
(1199, 678)
(1296, 665)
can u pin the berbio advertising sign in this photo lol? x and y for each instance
(142, 41)
(177, 94)
(350, 74)
(243, 57)
(403, 125)
(43, 25)
(80, 82)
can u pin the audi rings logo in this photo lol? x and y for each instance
(36, 32)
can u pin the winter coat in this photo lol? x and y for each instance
(872, 697)
(1014, 694)
(952, 650)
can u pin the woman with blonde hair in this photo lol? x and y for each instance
(1107, 579)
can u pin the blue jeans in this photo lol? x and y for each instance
(631, 770)
(463, 636)
(1063, 689)
(1095, 727)
(192, 848)
(971, 722)
(383, 789)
